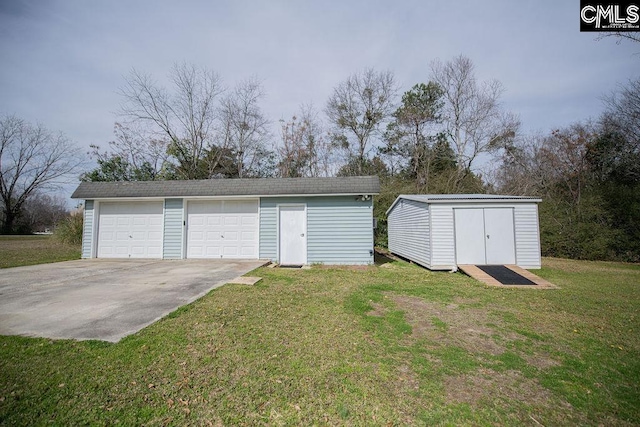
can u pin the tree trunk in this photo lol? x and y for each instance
(9, 221)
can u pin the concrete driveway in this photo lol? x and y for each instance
(105, 299)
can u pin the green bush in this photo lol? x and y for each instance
(69, 230)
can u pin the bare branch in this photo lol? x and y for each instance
(32, 158)
(357, 108)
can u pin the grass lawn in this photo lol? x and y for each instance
(38, 249)
(388, 345)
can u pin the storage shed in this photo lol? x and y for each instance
(292, 221)
(442, 231)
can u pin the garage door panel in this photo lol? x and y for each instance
(214, 235)
(107, 221)
(230, 236)
(214, 221)
(138, 235)
(122, 236)
(212, 252)
(137, 251)
(241, 207)
(248, 220)
(130, 230)
(139, 221)
(196, 220)
(205, 207)
(230, 251)
(246, 251)
(196, 236)
(230, 220)
(229, 229)
(155, 235)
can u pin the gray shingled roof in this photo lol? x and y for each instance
(464, 198)
(229, 187)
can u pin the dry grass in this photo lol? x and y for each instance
(17, 251)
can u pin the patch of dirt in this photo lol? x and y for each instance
(407, 380)
(458, 325)
(465, 328)
(462, 301)
(378, 310)
(541, 360)
(489, 384)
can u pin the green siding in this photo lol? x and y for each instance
(87, 231)
(339, 229)
(173, 227)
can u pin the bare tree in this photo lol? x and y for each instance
(42, 211)
(244, 126)
(132, 156)
(545, 165)
(185, 118)
(621, 35)
(32, 159)
(357, 108)
(623, 110)
(303, 151)
(474, 120)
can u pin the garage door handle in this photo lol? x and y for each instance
(302, 235)
(487, 236)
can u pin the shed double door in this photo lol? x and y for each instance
(485, 236)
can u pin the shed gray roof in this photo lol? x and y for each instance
(229, 187)
(464, 198)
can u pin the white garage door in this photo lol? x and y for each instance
(222, 229)
(130, 230)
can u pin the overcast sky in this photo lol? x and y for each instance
(63, 61)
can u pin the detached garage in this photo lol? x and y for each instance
(292, 221)
(443, 231)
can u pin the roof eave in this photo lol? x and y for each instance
(514, 199)
(232, 196)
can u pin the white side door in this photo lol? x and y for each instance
(469, 231)
(500, 236)
(130, 230)
(292, 239)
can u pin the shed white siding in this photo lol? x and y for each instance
(443, 252)
(433, 244)
(527, 236)
(408, 231)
